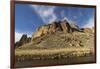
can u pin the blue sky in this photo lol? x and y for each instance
(29, 17)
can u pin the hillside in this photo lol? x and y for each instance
(55, 41)
(56, 35)
(60, 39)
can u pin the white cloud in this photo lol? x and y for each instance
(90, 23)
(19, 35)
(45, 12)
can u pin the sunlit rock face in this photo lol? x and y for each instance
(63, 26)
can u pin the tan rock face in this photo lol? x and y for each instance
(52, 28)
(45, 29)
(41, 31)
(63, 26)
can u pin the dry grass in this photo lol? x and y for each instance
(52, 53)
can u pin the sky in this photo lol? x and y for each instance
(29, 17)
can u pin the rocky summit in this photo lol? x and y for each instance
(63, 26)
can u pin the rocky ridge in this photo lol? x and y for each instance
(63, 26)
(51, 34)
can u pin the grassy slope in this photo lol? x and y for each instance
(58, 45)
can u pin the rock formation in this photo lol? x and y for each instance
(65, 26)
(24, 39)
(57, 34)
(62, 25)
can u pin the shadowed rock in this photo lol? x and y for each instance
(24, 39)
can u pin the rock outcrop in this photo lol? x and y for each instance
(65, 26)
(88, 30)
(24, 39)
(62, 25)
